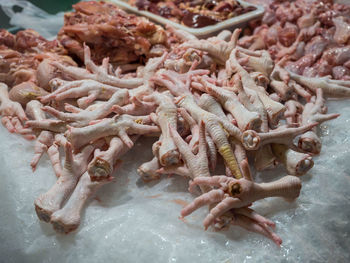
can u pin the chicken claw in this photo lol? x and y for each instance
(232, 193)
(97, 73)
(121, 126)
(75, 165)
(13, 115)
(86, 90)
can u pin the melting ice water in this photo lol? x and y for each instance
(137, 222)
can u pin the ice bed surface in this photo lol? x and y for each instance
(137, 222)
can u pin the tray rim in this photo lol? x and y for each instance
(199, 32)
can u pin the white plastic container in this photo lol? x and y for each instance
(237, 21)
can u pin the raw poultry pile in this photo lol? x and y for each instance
(195, 14)
(309, 38)
(21, 55)
(24, 66)
(110, 32)
(207, 101)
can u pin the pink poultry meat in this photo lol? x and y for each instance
(110, 32)
(316, 28)
(342, 30)
(22, 55)
(25, 92)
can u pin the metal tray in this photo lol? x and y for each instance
(237, 21)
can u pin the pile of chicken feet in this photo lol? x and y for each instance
(201, 98)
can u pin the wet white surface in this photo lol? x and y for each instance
(137, 222)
